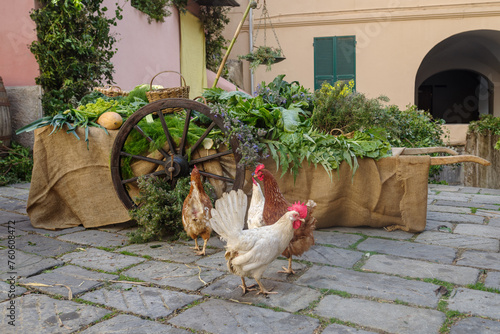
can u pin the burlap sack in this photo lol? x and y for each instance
(71, 185)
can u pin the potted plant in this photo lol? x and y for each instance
(263, 55)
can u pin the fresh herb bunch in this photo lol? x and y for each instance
(283, 94)
(262, 55)
(16, 165)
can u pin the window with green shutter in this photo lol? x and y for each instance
(334, 59)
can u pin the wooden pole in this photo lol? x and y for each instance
(251, 4)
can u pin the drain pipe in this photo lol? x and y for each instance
(250, 29)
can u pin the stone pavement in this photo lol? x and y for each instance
(354, 280)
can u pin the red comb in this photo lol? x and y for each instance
(300, 208)
(259, 167)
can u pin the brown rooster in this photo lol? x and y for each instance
(276, 206)
(196, 213)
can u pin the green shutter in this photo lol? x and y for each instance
(334, 59)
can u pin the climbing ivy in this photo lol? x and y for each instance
(158, 9)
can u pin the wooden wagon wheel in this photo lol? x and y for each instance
(174, 162)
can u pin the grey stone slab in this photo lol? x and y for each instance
(444, 202)
(7, 216)
(495, 222)
(23, 185)
(421, 269)
(477, 259)
(455, 197)
(167, 251)
(475, 302)
(492, 280)
(26, 226)
(391, 318)
(289, 297)
(98, 259)
(8, 291)
(455, 217)
(15, 192)
(371, 285)
(478, 230)
(11, 230)
(224, 317)
(182, 276)
(486, 199)
(128, 324)
(458, 241)
(373, 232)
(341, 329)
(489, 191)
(96, 238)
(120, 228)
(441, 187)
(475, 325)
(331, 256)
(25, 264)
(449, 209)
(79, 280)
(409, 249)
(335, 239)
(41, 245)
(13, 205)
(41, 314)
(437, 226)
(217, 261)
(146, 301)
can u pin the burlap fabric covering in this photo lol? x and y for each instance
(71, 185)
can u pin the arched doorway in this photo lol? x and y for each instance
(456, 79)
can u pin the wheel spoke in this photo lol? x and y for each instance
(149, 139)
(195, 146)
(140, 157)
(134, 179)
(185, 132)
(217, 177)
(170, 141)
(210, 157)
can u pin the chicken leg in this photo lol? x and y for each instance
(203, 251)
(244, 287)
(263, 290)
(289, 270)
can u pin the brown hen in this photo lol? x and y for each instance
(276, 206)
(196, 212)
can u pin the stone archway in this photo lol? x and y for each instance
(459, 77)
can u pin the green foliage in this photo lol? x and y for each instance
(485, 126)
(73, 49)
(262, 55)
(214, 20)
(16, 165)
(283, 93)
(159, 213)
(158, 9)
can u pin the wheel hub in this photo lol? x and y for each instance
(176, 166)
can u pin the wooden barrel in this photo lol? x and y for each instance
(5, 123)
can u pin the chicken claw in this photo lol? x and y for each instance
(288, 270)
(203, 251)
(246, 288)
(263, 290)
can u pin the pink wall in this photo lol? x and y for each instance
(18, 66)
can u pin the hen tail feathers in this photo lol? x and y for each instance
(228, 216)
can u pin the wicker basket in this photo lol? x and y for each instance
(166, 93)
(111, 91)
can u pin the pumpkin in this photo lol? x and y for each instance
(110, 120)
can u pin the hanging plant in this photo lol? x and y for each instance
(263, 55)
(158, 9)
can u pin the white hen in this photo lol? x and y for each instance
(249, 252)
(256, 209)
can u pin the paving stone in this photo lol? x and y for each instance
(332, 256)
(6, 216)
(434, 225)
(128, 324)
(446, 188)
(15, 192)
(79, 280)
(341, 329)
(409, 249)
(25, 264)
(120, 228)
(489, 191)
(23, 185)
(217, 261)
(458, 241)
(371, 285)
(475, 302)
(8, 291)
(373, 232)
(43, 315)
(455, 197)
(224, 317)
(450, 209)
(475, 325)
(455, 217)
(26, 226)
(494, 222)
(336, 239)
(166, 251)
(96, 238)
(420, 269)
(98, 259)
(443, 202)
(182, 276)
(478, 230)
(486, 199)
(391, 318)
(480, 260)
(41, 245)
(149, 302)
(7, 230)
(492, 280)
(289, 297)
(13, 205)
